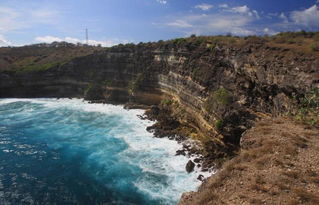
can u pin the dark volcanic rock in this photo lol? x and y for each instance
(181, 152)
(190, 166)
(200, 177)
(197, 160)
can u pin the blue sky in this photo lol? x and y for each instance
(120, 21)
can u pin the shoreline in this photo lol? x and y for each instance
(190, 148)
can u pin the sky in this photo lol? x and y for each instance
(111, 22)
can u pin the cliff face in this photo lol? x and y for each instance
(216, 87)
(221, 87)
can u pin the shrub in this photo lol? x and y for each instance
(218, 101)
(308, 110)
(219, 124)
(136, 83)
(179, 41)
(167, 102)
(222, 96)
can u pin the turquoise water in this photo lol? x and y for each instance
(72, 152)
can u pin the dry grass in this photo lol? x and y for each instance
(306, 197)
(279, 165)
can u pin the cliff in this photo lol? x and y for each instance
(210, 88)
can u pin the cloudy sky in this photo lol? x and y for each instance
(120, 21)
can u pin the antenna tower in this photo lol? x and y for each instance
(87, 36)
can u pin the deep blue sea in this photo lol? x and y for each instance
(66, 151)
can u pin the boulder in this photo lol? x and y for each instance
(190, 166)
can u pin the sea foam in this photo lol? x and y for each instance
(109, 143)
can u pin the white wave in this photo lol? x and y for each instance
(154, 156)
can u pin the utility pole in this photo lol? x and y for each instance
(87, 36)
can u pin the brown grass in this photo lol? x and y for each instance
(307, 197)
(279, 167)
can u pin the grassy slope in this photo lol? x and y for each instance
(278, 164)
(33, 58)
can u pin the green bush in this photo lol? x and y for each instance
(218, 101)
(219, 124)
(167, 102)
(179, 41)
(308, 110)
(136, 83)
(222, 96)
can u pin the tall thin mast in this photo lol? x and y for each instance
(87, 36)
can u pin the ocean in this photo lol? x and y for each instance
(68, 151)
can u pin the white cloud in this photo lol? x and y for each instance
(48, 39)
(213, 24)
(162, 1)
(8, 18)
(179, 23)
(308, 17)
(204, 7)
(236, 20)
(43, 13)
(256, 14)
(245, 10)
(225, 6)
(14, 19)
(241, 9)
(4, 41)
(283, 17)
(269, 31)
(107, 43)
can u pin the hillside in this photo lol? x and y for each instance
(277, 164)
(41, 56)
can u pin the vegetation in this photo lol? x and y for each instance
(39, 67)
(222, 96)
(218, 100)
(306, 42)
(41, 56)
(167, 102)
(219, 124)
(179, 41)
(136, 83)
(308, 109)
(273, 167)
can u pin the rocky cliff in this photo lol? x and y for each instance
(215, 86)
(220, 84)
